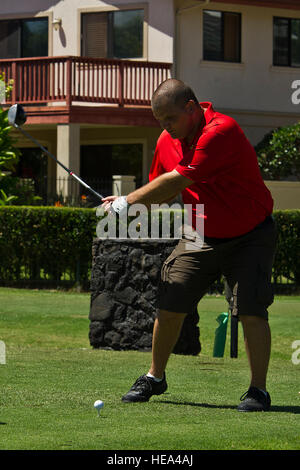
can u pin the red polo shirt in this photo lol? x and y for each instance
(224, 167)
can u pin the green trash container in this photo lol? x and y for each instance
(220, 335)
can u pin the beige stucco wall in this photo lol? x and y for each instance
(286, 194)
(159, 22)
(254, 92)
(253, 84)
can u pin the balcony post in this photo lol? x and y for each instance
(121, 84)
(15, 83)
(69, 82)
(50, 79)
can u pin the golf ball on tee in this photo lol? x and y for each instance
(98, 404)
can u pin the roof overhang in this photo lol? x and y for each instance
(286, 4)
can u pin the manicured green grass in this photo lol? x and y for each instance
(52, 377)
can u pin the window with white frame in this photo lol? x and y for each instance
(221, 36)
(116, 34)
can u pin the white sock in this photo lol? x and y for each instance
(154, 378)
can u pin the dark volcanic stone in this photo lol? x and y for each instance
(124, 283)
(102, 307)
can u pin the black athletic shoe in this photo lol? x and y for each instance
(254, 400)
(144, 387)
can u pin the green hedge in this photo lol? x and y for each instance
(287, 258)
(55, 243)
(45, 241)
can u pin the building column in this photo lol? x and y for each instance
(123, 184)
(68, 153)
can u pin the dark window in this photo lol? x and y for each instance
(221, 36)
(10, 39)
(114, 34)
(23, 38)
(32, 164)
(103, 161)
(35, 37)
(286, 42)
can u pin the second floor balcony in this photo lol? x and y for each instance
(61, 83)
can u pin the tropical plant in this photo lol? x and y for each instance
(279, 153)
(6, 200)
(9, 154)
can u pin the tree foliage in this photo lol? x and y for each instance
(8, 153)
(279, 153)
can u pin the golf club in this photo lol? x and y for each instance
(17, 117)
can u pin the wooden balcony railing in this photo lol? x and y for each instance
(40, 80)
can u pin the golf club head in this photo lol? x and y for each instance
(16, 115)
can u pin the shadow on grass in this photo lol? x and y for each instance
(276, 409)
(286, 409)
(201, 405)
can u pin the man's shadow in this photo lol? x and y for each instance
(276, 409)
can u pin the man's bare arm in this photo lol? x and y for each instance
(162, 189)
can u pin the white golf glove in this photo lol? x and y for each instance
(119, 206)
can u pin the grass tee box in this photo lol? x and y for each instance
(55, 377)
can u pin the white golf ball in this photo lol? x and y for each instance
(98, 404)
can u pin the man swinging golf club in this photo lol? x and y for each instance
(205, 156)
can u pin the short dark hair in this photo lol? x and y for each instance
(176, 91)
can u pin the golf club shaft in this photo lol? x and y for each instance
(71, 173)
